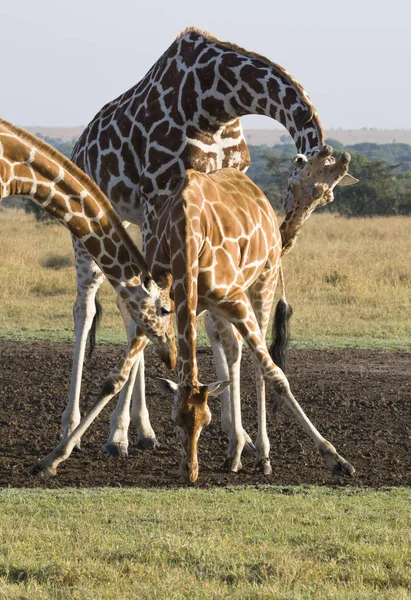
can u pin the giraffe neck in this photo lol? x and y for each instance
(185, 272)
(32, 169)
(173, 252)
(230, 82)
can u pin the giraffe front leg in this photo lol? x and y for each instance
(273, 375)
(335, 462)
(261, 295)
(227, 345)
(117, 442)
(113, 384)
(132, 393)
(89, 279)
(262, 460)
(146, 439)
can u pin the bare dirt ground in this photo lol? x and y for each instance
(360, 400)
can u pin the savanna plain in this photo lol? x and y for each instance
(112, 529)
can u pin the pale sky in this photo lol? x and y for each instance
(62, 61)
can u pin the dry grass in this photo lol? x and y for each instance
(351, 278)
(348, 280)
(34, 296)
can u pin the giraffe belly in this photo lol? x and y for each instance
(130, 213)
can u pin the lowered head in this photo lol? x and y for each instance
(190, 413)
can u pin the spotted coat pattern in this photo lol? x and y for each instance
(218, 238)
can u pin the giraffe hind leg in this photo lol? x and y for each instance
(226, 344)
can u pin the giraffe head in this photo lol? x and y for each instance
(311, 185)
(190, 413)
(152, 309)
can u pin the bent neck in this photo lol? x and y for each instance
(233, 82)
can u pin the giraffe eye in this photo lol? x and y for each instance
(164, 312)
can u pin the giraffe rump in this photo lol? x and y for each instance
(281, 333)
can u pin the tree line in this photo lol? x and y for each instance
(383, 170)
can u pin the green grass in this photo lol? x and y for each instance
(293, 543)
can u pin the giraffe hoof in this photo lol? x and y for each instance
(147, 443)
(263, 466)
(338, 465)
(236, 466)
(232, 465)
(116, 450)
(342, 467)
(43, 470)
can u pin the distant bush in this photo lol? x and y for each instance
(57, 262)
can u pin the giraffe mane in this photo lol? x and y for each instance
(191, 173)
(312, 114)
(88, 184)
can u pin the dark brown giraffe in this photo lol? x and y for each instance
(183, 114)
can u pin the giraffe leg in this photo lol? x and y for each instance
(261, 295)
(262, 443)
(226, 344)
(111, 387)
(117, 442)
(89, 279)
(240, 313)
(132, 393)
(146, 438)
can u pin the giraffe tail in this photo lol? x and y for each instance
(93, 329)
(281, 328)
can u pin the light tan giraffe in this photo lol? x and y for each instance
(218, 238)
(222, 238)
(31, 168)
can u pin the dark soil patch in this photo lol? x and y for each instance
(359, 400)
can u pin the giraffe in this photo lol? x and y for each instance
(218, 240)
(213, 266)
(185, 113)
(31, 168)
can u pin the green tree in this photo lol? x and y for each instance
(379, 191)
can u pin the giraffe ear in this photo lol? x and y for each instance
(169, 388)
(218, 387)
(300, 160)
(348, 180)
